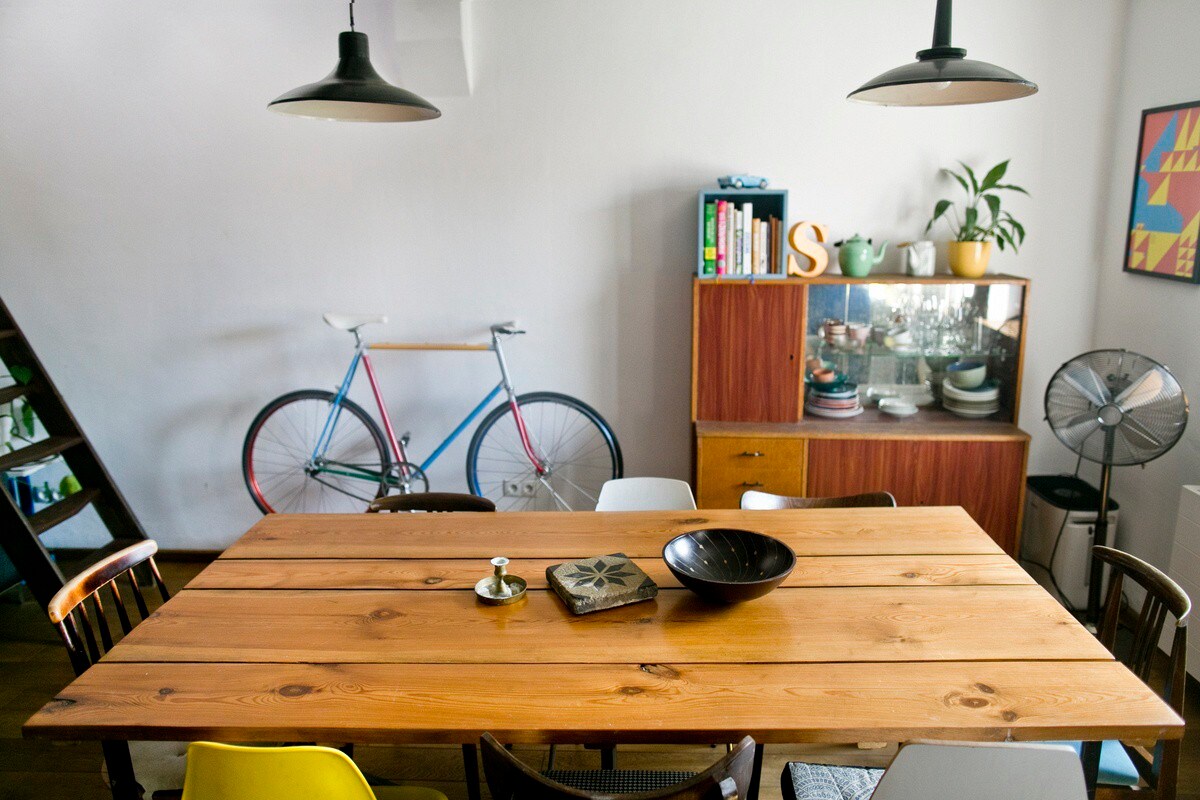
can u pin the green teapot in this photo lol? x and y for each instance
(856, 256)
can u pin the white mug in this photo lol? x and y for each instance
(919, 258)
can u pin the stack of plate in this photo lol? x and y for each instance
(982, 401)
(834, 400)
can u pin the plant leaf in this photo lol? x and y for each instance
(971, 175)
(994, 175)
(1019, 228)
(961, 180)
(1011, 187)
(969, 218)
(27, 419)
(938, 210)
(993, 203)
(1000, 243)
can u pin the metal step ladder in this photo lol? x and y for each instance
(20, 534)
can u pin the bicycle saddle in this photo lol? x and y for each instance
(352, 322)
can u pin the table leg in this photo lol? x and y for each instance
(1090, 756)
(756, 773)
(471, 768)
(121, 780)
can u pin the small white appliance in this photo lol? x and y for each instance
(1062, 508)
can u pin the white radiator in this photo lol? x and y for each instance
(1185, 564)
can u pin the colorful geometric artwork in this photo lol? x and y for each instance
(1164, 222)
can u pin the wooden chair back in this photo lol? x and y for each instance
(509, 779)
(431, 501)
(765, 501)
(983, 771)
(1163, 596)
(87, 639)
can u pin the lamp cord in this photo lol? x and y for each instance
(351, 16)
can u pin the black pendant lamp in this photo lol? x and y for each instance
(354, 92)
(943, 76)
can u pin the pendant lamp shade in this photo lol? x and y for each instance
(943, 76)
(354, 92)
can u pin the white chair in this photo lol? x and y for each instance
(948, 771)
(646, 494)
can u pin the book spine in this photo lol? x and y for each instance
(747, 234)
(722, 231)
(755, 244)
(764, 264)
(773, 246)
(731, 258)
(710, 238)
(739, 240)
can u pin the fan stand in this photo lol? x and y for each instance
(1100, 536)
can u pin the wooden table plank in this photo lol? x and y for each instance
(410, 703)
(946, 623)
(446, 573)
(884, 531)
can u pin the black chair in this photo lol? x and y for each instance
(765, 501)
(431, 501)
(89, 635)
(1159, 769)
(509, 779)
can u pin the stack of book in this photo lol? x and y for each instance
(738, 243)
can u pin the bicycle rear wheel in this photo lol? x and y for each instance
(574, 442)
(278, 465)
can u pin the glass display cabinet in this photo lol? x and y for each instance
(904, 340)
(788, 376)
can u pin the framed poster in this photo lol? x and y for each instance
(1164, 220)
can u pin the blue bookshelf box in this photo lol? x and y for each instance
(767, 203)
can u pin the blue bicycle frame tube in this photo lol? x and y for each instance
(336, 410)
(462, 426)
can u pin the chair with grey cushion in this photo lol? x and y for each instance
(947, 771)
(765, 501)
(509, 779)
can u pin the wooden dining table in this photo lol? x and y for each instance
(896, 624)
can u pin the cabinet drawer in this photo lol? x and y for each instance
(725, 468)
(764, 453)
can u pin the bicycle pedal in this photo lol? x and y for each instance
(404, 439)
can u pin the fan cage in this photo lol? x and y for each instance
(1140, 399)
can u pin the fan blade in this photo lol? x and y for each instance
(1078, 428)
(1141, 391)
(1129, 426)
(1091, 386)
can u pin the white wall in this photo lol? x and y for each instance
(169, 245)
(1160, 66)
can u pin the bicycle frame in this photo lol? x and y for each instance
(396, 445)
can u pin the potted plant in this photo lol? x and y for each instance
(976, 227)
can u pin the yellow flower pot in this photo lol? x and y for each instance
(969, 259)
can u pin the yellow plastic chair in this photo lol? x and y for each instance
(307, 772)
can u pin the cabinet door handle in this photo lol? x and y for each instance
(753, 453)
(752, 484)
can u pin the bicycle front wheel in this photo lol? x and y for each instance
(281, 472)
(577, 447)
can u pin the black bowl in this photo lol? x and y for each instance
(726, 565)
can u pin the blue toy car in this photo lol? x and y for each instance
(742, 182)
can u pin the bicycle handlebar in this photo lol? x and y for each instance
(506, 329)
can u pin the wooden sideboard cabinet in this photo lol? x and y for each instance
(750, 341)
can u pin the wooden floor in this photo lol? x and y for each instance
(33, 667)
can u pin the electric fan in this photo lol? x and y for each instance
(1115, 408)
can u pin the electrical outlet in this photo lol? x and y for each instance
(520, 488)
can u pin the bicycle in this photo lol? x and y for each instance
(318, 451)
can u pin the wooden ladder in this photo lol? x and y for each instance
(20, 535)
